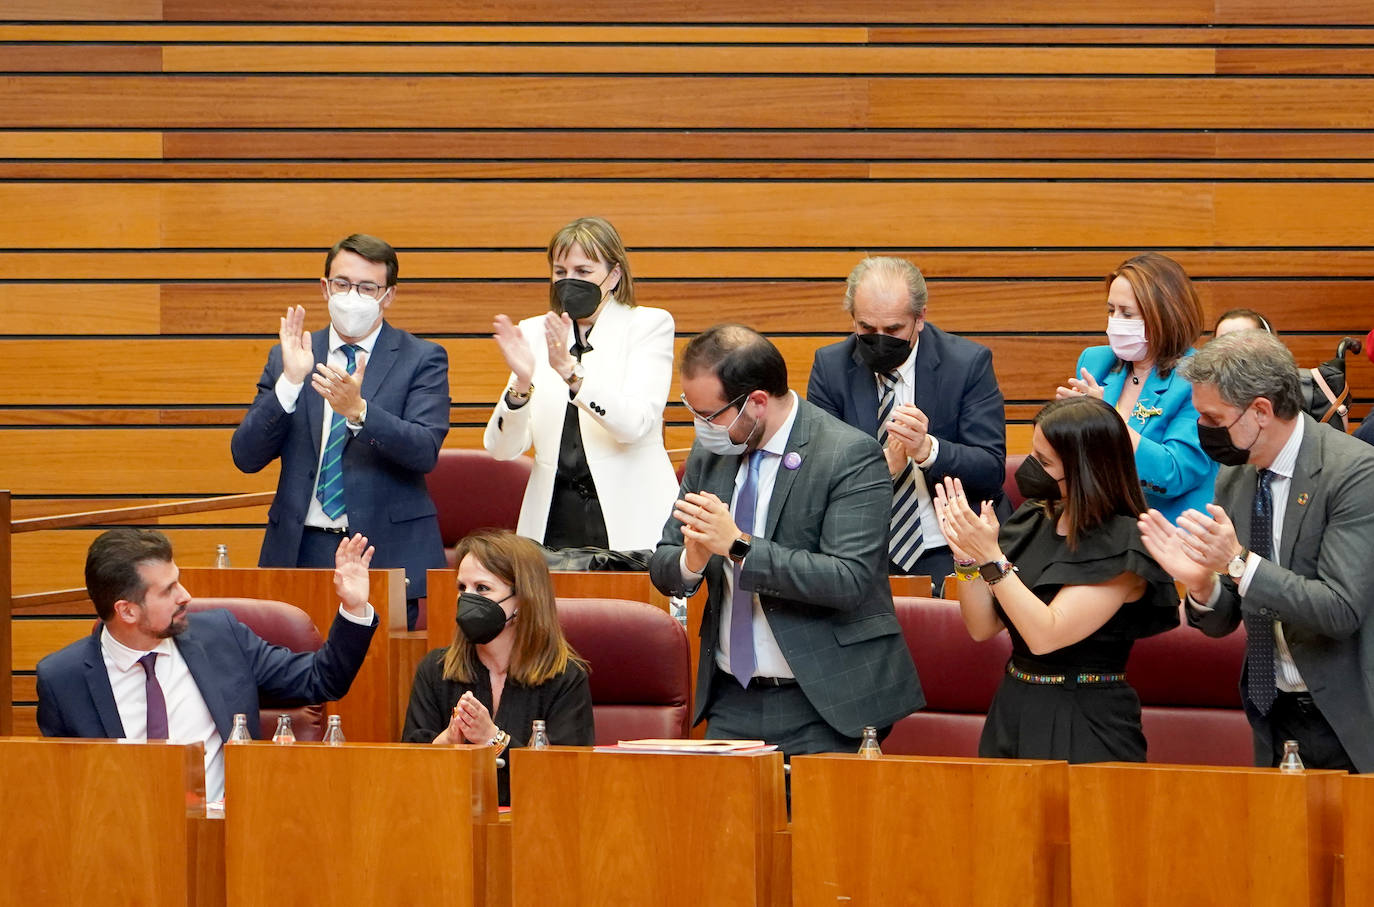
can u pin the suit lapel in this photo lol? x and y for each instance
(384, 353)
(1147, 404)
(98, 683)
(198, 663)
(314, 403)
(863, 390)
(1242, 503)
(783, 482)
(1300, 489)
(926, 392)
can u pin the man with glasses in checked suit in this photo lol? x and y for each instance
(357, 415)
(930, 398)
(783, 511)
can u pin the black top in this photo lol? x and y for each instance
(1045, 565)
(564, 703)
(575, 517)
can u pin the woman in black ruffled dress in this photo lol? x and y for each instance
(1071, 582)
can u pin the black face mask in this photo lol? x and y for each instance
(1034, 483)
(882, 352)
(1216, 443)
(579, 298)
(480, 618)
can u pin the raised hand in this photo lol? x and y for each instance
(1086, 386)
(517, 353)
(351, 560)
(297, 359)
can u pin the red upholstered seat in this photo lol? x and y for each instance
(638, 662)
(473, 490)
(282, 625)
(959, 677)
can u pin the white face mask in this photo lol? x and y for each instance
(716, 438)
(1127, 337)
(353, 313)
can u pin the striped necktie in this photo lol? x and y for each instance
(906, 542)
(330, 490)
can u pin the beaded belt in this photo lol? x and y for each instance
(1049, 679)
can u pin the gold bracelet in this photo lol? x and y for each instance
(516, 395)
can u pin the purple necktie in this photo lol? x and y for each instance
(157, 703)
(742, 659)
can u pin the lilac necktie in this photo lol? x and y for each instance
(742, 659)
(1259, 630)
(157, 703)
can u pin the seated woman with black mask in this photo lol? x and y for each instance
(508, 664)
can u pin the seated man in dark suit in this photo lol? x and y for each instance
(153, 671)
(784, 514)
(356, 414)
(930, 398)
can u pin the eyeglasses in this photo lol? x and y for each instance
(365, 288)
(705, 418)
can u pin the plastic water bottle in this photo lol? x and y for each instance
(539, 737)
(1291, 761)
(868, 747)
(221, 555)
(677, 610)
(283, 734)
(333, 735)
(240, 734)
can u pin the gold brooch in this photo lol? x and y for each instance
(1143, 412)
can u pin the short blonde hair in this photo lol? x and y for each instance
(599, 240)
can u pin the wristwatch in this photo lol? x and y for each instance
(993, 572)
(739, 548)
(575, 375)
(1235, 568)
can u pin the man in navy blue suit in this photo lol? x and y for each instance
(930, 398)
(153, 671)
(357, 416)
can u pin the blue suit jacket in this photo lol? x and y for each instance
(955, 388)
(1174, 472)
(406, 388)
(230, 663)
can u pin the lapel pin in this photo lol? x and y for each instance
(1303, 498)
(792, 460)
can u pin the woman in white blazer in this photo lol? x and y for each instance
(588, 383)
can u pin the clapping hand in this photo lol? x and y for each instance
(351, 560)
(297, 358)
(1085, 386)
(972, 536)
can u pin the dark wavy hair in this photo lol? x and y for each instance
(1092, 443)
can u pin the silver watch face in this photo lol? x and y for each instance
(1236, 568)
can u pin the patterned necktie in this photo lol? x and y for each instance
(330, 490)
(157, 703)
(1259, 630)
(905, 542)
(742, 660)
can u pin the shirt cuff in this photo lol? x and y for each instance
(356, 427)
(929, 461)
(1252, 562)
(288, 392)
(690, 580)
(364, 621)
(1211, 599)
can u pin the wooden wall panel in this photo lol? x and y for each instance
(175, 169)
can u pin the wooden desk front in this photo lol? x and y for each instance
(906, 830)
(96, 822)
(595, 828)
(358, 824)
(1146, 835)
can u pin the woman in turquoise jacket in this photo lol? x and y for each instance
(1153, 320)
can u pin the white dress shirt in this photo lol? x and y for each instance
(906, 394)
(1286, 675)
(188, 718)
(288, 394)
